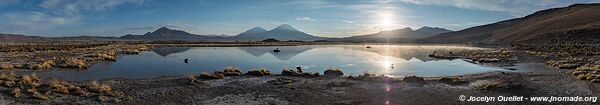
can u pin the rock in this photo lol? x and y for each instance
(595, 80)
(292, 73)
(282, 81)
(488, 60)
(452, 81)
(287, 72)
(413, 79)
(333, 72)
(533, 79)
(568, 66)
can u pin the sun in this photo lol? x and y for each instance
(386, 20)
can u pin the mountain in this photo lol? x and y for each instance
(432, 30)
(19, 38)
(281, 32)
(165, 33)
(398, 35)
(252, 32)
(578, 23)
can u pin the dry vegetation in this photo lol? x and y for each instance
(585, 59)
(30, 86)
(72, 55)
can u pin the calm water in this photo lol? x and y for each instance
(352, 59)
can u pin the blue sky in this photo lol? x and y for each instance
(330, 18)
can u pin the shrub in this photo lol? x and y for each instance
(287, 72)
(78, 91)
(6, 66)
(99, 88)
(261, 72)
(212, 76)
(333, 72)
(581, 77)
(40, 96)
(74, 63)
(43, 65)
(16, 92)
(192, 80)
(231, 71)
(59, 87)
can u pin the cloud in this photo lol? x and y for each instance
(348, 21)
(305, 19)
(52, 13)
(33, 20)
(176, 24)
(515, 7)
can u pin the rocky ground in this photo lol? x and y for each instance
(262, 87)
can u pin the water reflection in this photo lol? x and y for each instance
(393, 60)
(169, 50)
(285, 53)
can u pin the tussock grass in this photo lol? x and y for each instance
(16, 92)
(212, 76)
(6, 66)
(333, 72)
(94, 86)
(259, 72)
(232, 71)
(74, 63)
(192, 80)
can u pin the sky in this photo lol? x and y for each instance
(328, 18)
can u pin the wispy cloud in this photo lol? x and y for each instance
(175, 24)
(305, 19)
(348, 21)
(51, 13)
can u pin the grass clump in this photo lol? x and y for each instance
(59, 87)
(16, 92)
(452, 81)
(588, 72)
(99, 88)
(30, 80)
(74, 63)
(40, 96)
(7, 66)
(44, 65)
(231, 71)
(192, 80)
(333, 72)
(260, 72)
(498, 84)
(216, 75)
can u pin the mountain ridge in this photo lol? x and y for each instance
(576, 23)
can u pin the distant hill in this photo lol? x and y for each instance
(398, 35)
(578, 23)
(432, 30)
(19, 38)
(165, 33)
(281, 32)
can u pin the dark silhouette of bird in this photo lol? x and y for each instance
(185, 60)
(276, 50)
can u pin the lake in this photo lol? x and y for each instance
(352, 59)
